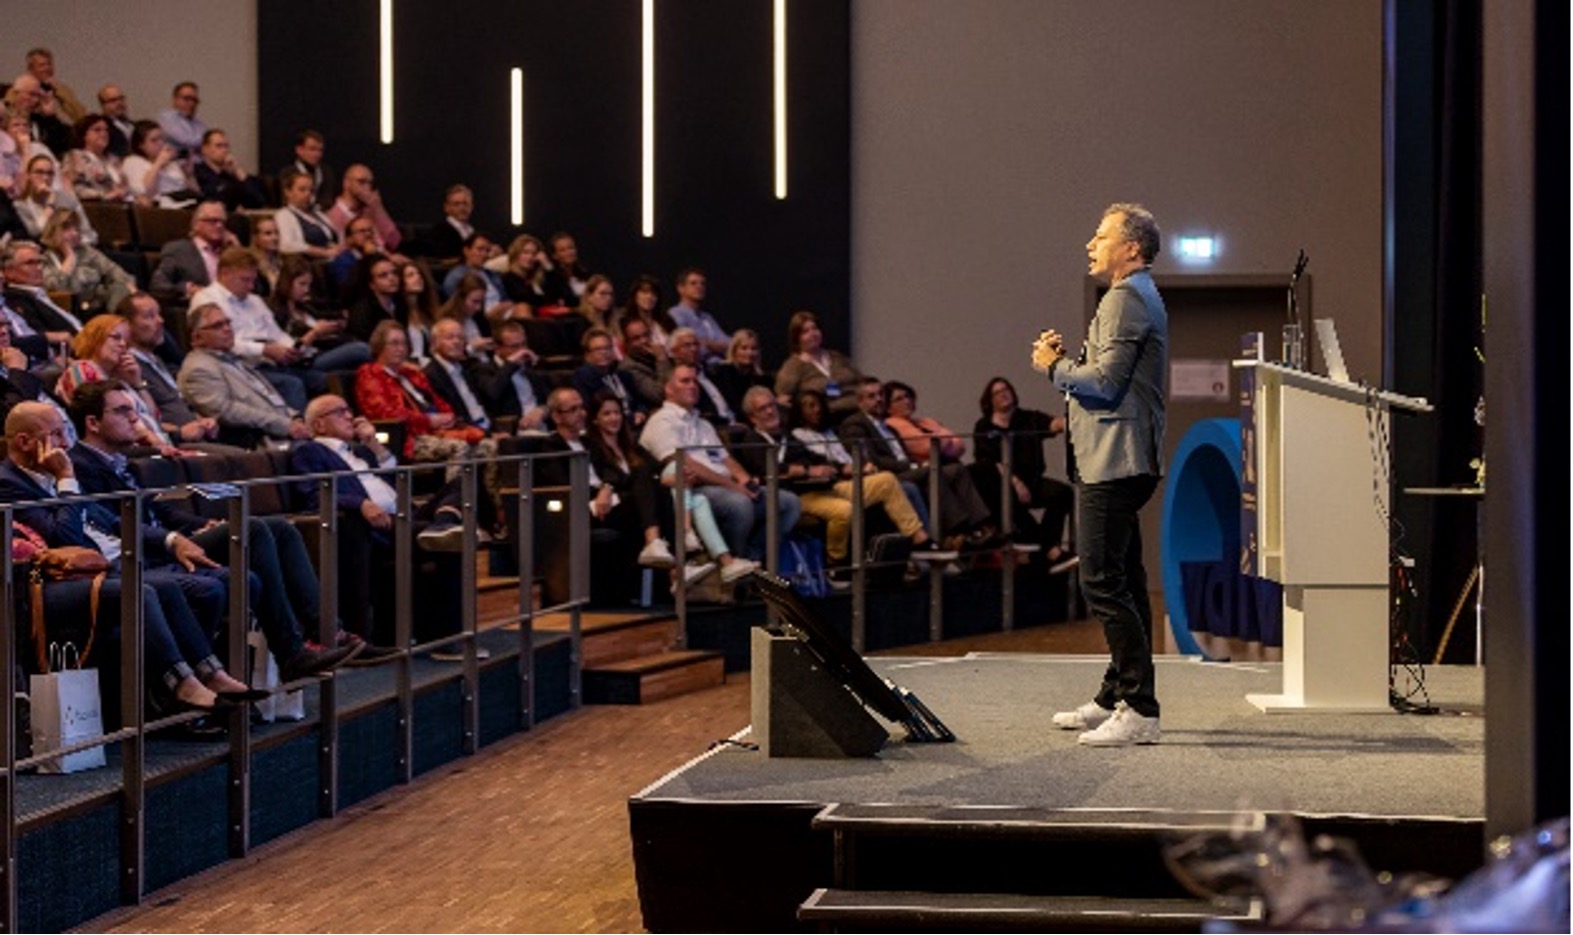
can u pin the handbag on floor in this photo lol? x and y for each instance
(65, 709)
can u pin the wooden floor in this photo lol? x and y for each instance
(529, 835)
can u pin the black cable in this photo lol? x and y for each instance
(729, 742)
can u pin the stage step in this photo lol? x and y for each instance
(1014, 850)
(643, 679)
(606, 638)
(907, 911)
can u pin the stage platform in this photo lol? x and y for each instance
(730, 841)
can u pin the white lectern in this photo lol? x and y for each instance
(1316, 478)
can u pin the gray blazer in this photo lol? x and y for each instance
(1118, 385)
(179, 262)
(217, 386)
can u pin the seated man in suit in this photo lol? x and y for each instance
(309, 147)
(23, 266)
(218, 384)
(258, 338)
(149, 346)
(185, 266)
(448, 235)
(456, 376)
(180, 656)
(342, 441)
(599, 373)
(643, 360)
(287, 600)
(510, 386)
(222, 179)
(962, 512)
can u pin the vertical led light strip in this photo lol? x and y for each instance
(647, 134)
(781, 99)
(387, 70)
(516, 144)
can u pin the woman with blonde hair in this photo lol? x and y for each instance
(598, 304)
(70, 265)
(741, 369)
(467, 306)
(525, 281)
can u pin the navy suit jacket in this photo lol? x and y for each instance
(96, 476)
(62, 523)
(317, 458)
(443, 386)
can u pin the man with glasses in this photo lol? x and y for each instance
(183, 129)
(367, 502)
(250, 412)
(113, 105)
(185, 266)
(599, 374)
(223, 179)
(29, 98)
(258, 338)
(149, 346)
(23, 266)
(360, 199)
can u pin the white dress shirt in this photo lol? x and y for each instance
(253, 321)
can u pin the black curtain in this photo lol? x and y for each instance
(1438, 330)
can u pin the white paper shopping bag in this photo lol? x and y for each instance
(289, 706)
(66, 710)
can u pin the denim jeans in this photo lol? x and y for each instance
(742, 518)
(288, 601)
(1114, 583)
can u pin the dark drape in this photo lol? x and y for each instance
(1437, 306)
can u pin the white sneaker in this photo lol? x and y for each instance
(656, 554)
(1124, 729)
(691, 541)
(1086, 717)
(738, 568)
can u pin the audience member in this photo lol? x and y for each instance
(741, 369)
(467, 305)
(147, 342)
(216, 383)
(16, 147)
(526, 281)
(221, 178)
(29, 99)
(457, 378)
(811, 426)
(1031, 487)
(644, 303)
(418, 307)
(179, 656)
(360, 199)
(513, 388)
(642, 361)
(23, 262)
(962, 512)
(112, 103)
(919, 434)
(309, 148)
(735, 496)
(187, 266)
(813, 366)
(823, 486)
(40, 197)
(448, 236)
(264, 248)
(183, 129)
(303, 228)
(568, 275)
(321, 334)
(367, 503)
(17, 383)
(97, 282)
(94, 172)
(476, 250)
(41, 65)
(258, 339)
(344, 272)
(689, 312)
(155, 173)
(374, 293)
(390, 387)
(287, 602)
(599, 373)
(598, 306)
(101, 352)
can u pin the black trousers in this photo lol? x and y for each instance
(1114, 584)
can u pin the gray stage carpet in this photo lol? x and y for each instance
(1217, 752)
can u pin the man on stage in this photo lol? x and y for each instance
(1116, 395)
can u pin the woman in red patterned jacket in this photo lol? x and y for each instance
(390, 387)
